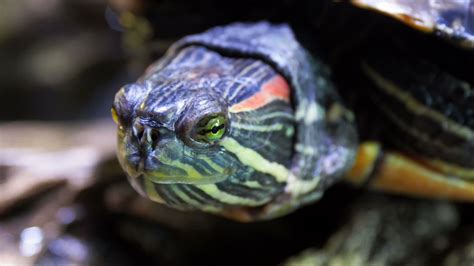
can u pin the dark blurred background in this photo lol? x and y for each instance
(64, 60)
(59, 60)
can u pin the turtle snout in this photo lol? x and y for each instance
(146, 137)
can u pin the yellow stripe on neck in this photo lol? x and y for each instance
(214, 192)
(253, 159)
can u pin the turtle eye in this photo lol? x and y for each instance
(211, 129)
(116, 118)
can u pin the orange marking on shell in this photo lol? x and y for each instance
(364, 164)
(275, 89)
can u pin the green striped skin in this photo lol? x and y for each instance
(208, 177)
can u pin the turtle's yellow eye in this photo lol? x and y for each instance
(213, 129)
(115, 117)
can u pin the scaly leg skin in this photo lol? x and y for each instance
(401, 173)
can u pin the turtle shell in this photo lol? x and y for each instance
(452, 20)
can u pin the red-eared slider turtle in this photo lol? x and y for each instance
(242, 121)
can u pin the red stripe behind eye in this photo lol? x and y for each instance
(275, 89)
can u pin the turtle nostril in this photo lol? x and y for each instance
(154, 135)
(145, 136)
(138, 130)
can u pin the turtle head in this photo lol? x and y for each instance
(205, 137)
(173, 142)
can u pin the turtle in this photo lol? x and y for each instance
(245, 122)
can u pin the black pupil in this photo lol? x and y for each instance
(214, 130)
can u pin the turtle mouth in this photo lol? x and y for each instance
(172, 172)
(167, 174)
(159, 178)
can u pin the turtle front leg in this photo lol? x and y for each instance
(401, 173)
